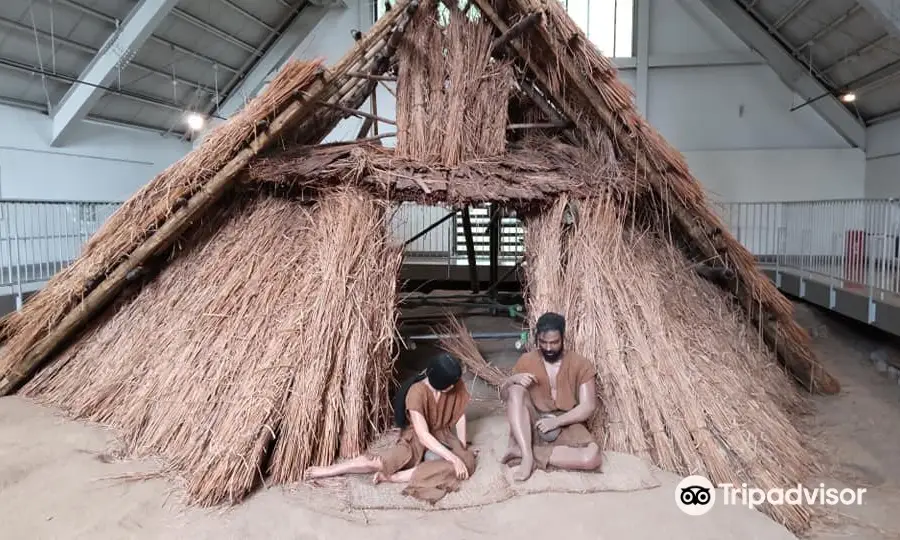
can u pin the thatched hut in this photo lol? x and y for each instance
(236, 316)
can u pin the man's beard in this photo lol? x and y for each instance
(551, 356)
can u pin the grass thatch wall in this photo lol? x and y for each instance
(219, 364)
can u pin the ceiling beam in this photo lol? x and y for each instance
(885, 117)
(119, 49)
(855, 53)
(74, 45)
(301, 27)
(875, 79)
(830, 27)
(885, 12)
(790, 13)
(42, 109)
(790, 70)
(100, 16)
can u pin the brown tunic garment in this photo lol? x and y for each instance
(574, 371)
(431, 480)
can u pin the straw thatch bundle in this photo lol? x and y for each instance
(584, 87)
(684, 381)
(532, 171)
(206, 364)
(339, 390)
(457, 341)
(448, 73)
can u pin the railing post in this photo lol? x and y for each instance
(17, 263)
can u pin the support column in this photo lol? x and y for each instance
(494, 249)
(470, 249)
(643, 55)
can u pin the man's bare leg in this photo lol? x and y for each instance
(512, 451)
(519, 417)
(588, 458)
(357, 465)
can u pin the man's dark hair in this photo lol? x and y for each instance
(549, 322)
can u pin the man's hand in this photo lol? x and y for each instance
(522, 379)
(548, 424)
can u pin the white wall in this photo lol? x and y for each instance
(761, 175)
(733, 122)
(883, 160)
(330, 40)
(97, 163)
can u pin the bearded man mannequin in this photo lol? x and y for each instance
(550, 397)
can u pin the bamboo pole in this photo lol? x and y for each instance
(537, 125)
(320, 90)
(361, 114)
(360, 75)
(514, 31)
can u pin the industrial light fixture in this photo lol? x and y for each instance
(849, 97)
(195, 121)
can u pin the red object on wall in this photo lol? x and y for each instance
(855, 257)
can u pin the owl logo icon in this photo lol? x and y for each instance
(695, 495)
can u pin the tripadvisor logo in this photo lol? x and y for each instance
(696, 495)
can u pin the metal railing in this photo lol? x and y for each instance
(39, 238)
(849, 243)
(434, 232)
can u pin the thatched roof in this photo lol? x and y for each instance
(514, 106)
(533, 172)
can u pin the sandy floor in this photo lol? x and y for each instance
(57, 481)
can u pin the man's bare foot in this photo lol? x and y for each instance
(524, 470)
(379, 478)
(512, 452)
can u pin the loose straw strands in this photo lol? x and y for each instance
(346, 328)
(544, 259)
(458, 341)
(681, 375)
(195, 368)
(145, 212)
(207, 364)
(448, 73)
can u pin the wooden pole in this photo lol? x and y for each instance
(369, 76)
(470, 250)
(514, 31)
(361, 114)
(537, 125)
(374, 98)
(364, 128)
